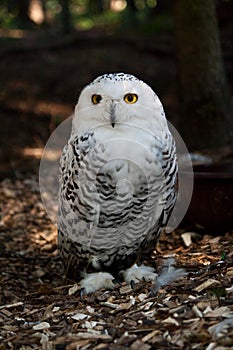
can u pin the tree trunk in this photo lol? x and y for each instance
(23, 10)
(131, 14)
(44, 9)
(206, 110)
(131, 6)
(96, 6)
(164, 6)
(66, 20)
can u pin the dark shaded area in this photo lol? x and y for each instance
(211, 204)
(205, 104)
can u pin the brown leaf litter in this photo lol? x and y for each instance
(39, 309)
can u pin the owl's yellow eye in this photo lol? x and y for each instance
(130, 98)
(96, 99)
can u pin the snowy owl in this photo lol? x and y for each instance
(117, 181)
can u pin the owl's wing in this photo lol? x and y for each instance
(170, 175)
(73, 214)
(71, 164)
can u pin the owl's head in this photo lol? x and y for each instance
(117, 98)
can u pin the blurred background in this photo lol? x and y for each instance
(50, 49)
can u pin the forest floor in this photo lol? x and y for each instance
(39, 309)
(40, 81)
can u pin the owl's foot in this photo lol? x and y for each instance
(139, 273)
(94, 281)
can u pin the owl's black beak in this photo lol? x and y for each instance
(112, 115)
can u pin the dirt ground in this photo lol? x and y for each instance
(40, 81)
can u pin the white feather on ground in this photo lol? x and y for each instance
(167, 275)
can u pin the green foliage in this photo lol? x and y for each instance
(7, 20)
(160, 23)
(223, 256)
(144, 20)
(142, 4)
(219, 292)
(105, 20)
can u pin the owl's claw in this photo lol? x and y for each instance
(132, 284)
(83, 292)
(116, 281)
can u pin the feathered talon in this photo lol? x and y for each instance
(98, 280)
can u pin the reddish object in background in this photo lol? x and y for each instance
(211, 205)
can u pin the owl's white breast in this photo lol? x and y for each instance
(126, 142)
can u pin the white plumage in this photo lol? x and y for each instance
(117, 182)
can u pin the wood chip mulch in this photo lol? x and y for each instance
(39, 309)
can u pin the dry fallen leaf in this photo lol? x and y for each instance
(207, 284)
(72, 290)
(41, 326)
(171, 320)
(223, 311)
(187, 238)
(79, 316)
(197, 312)
(139, 345)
